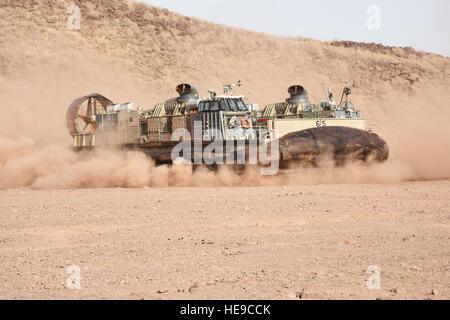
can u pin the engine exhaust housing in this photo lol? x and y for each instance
(188, 93)
(298, 94)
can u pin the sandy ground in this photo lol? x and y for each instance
(308, 242)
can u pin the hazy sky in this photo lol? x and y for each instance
(420, 24)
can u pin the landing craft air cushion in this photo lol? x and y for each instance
(305, 132)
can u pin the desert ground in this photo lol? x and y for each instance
(284, 242)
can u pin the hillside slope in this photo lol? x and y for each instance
(132, 51)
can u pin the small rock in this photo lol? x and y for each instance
(299, 294)
(309, 296)
(193, 287)
(162, 291)
(398, 290)
(434, 292)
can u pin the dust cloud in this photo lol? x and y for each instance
(137, 52)
(58, 167)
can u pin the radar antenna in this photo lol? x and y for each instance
(212, 93)
(328, 94)
(346, 91)
(239, 84)
(228, 88)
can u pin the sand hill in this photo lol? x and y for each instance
(132, 51)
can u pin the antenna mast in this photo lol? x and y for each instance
(347, 91)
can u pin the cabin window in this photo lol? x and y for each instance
(223, 105)
(204, 106)
(241, 105)
(232, 104)
(214, 106)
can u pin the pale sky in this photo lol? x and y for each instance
(423, 25)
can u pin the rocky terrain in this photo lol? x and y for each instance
(292, 242)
